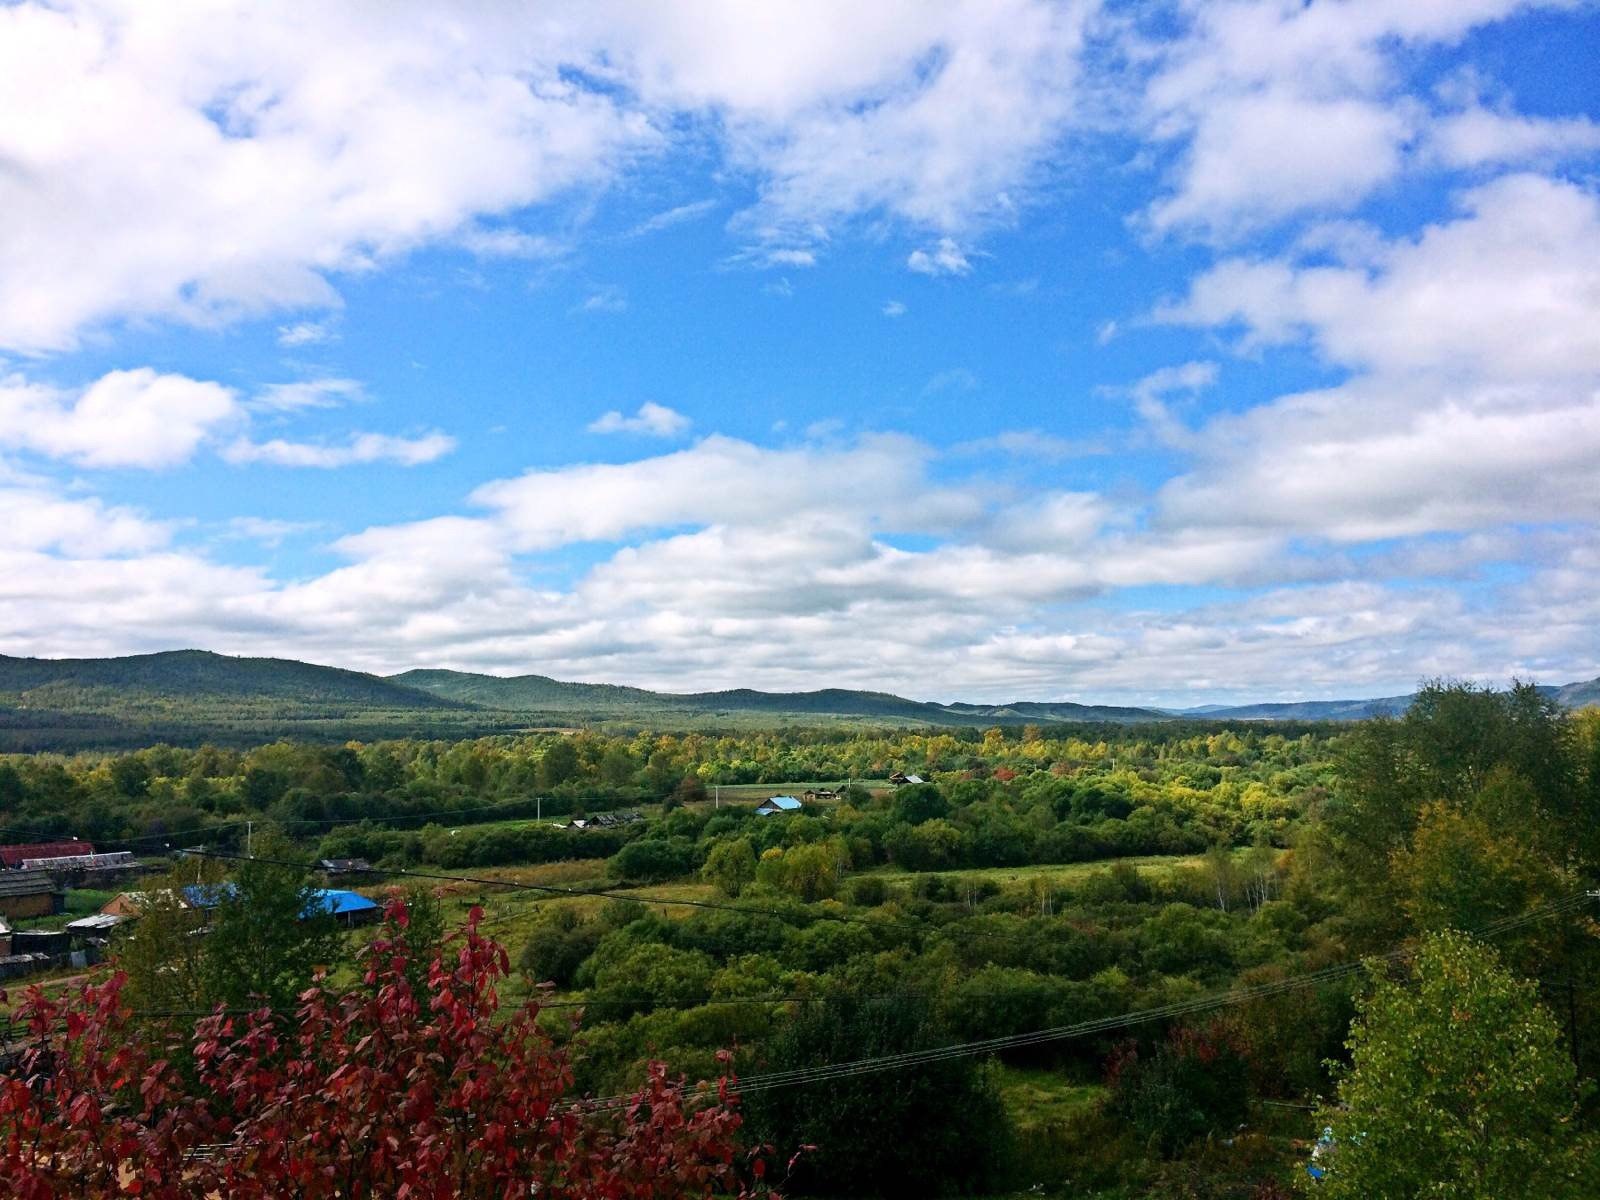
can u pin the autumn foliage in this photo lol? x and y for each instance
(369, 1091)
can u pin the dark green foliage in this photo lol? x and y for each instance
(1194, 1084)
(558, 946)
(653, 859)
(935, 1129)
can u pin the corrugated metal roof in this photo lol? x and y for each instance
(25, 883)
(338, 903)
(12, 856)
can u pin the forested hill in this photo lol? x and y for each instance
(541, 693)
(189, 696)
(1571, 695)
(199, 674)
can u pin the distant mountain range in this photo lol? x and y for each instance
(192, 695)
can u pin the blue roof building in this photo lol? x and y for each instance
(351, 908)
(778, 804)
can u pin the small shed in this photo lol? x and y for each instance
(29, 894)
(95, 925)
(778, 804)
(821, 794)
(901, 779)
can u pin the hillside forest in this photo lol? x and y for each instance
(1109, 961)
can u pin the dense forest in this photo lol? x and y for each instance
(1143, 943)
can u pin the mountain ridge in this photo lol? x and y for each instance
(190, 695)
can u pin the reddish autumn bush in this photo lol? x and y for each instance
(369, 1091)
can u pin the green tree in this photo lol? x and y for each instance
(1458, 1086)
(269, 933)
(731, 866)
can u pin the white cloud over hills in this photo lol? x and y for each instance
(1427, 504)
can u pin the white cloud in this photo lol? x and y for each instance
(894, 308)
(1511, 289)
(124, 419)
(361, 448)
(946, 258)
(309, 393)
(790, 257)
(254, 156)
(250, 153)
(1278, 109)
(667, 219)
(305, 333)
(608, 299)
(651, 419)
(1480, 136)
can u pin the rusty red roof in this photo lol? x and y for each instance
(12, 856)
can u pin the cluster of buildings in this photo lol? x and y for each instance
(34, 879)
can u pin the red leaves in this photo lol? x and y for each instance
(366, 1092)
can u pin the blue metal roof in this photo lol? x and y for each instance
(328, 900)
(786, 803)
(338, 903)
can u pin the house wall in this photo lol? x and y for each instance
(39, 904)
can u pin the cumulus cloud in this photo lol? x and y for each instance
(256, 156)
(1510, 288)
(360, 448)
(651, 420)
(133, 418)
(1278, 109)
(945, 258)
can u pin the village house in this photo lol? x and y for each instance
(901, 779)
(26, 894)
(778, 804)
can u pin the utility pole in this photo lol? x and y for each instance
(716, 795)
(538, 808)
(249, 832)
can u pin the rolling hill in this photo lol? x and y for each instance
(190, 696)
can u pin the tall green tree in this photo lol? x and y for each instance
(1458, 1086)
(269, 933)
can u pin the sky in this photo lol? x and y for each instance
(1151, 353)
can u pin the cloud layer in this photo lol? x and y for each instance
(1425, 254)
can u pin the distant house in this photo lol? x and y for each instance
(131, 904)
(778, 804)
(901, 779)
(114, 860)
(821, 794)
(350, 908)
(11, 857)
(29, 894)
(5, 939)
(345, 866)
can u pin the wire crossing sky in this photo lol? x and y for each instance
(1173, 353)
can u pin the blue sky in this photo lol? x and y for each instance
(1011, 349)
